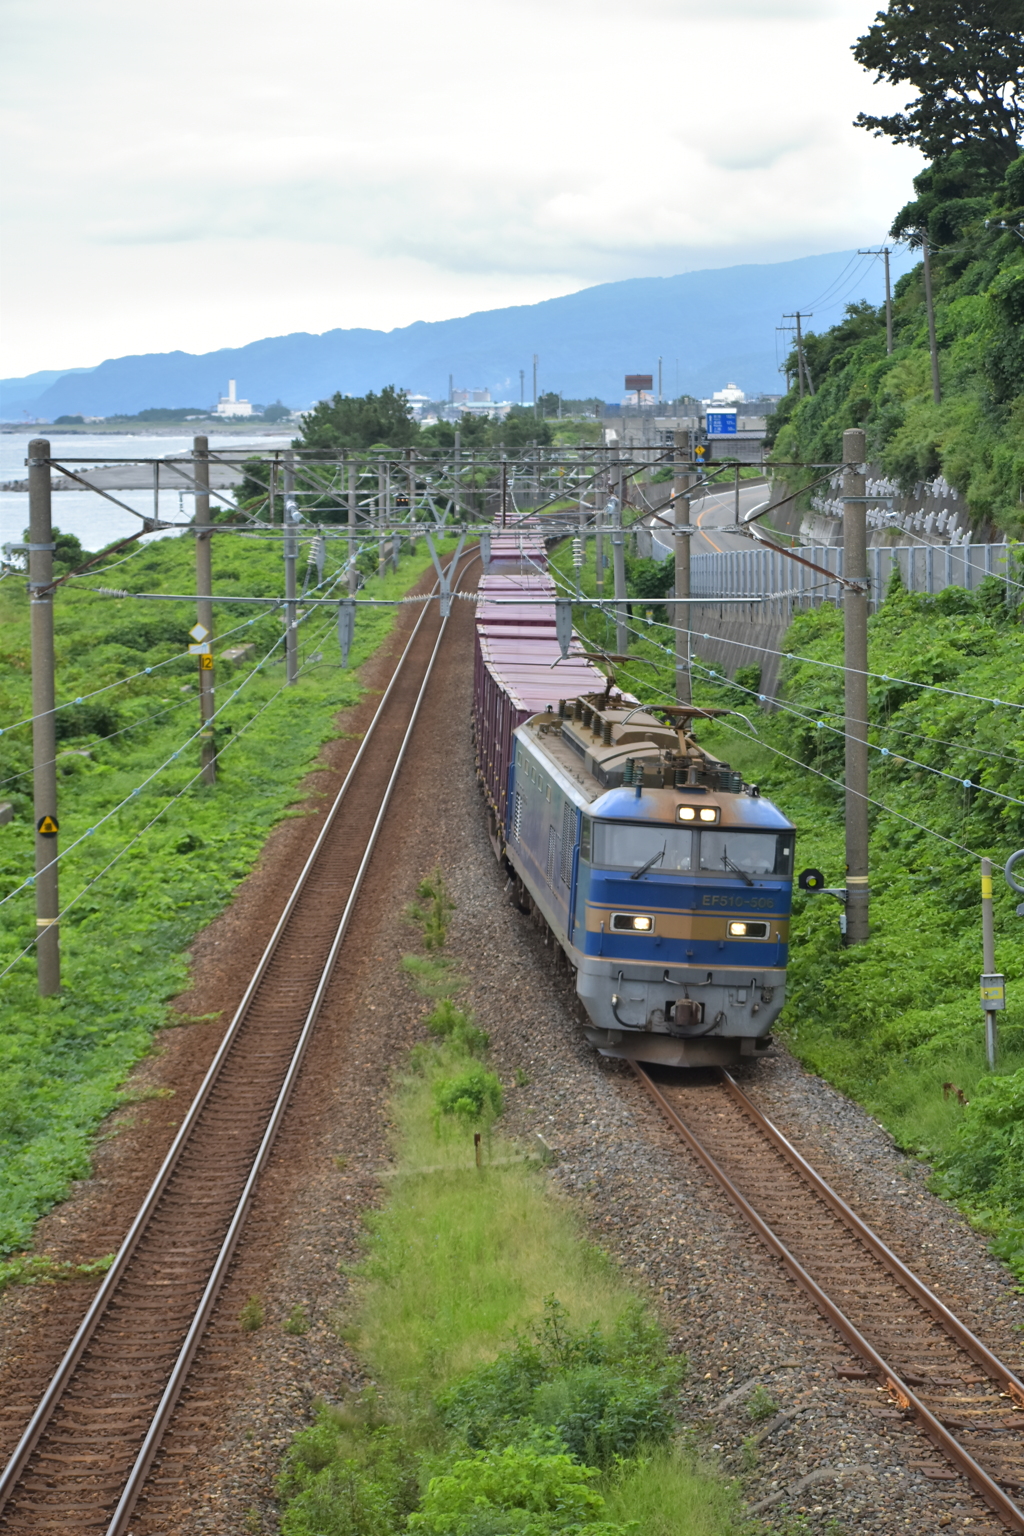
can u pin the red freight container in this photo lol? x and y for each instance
(518, 674)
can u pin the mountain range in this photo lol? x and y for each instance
(709, 327)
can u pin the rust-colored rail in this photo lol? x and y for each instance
(913, 1343)
(85, 1454)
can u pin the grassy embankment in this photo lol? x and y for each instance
(521, 1386)
(893, 1021)
(62, 1059)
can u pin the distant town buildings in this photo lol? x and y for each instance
(730, 395)
(230, 405)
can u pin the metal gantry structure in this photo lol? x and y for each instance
(361, 507)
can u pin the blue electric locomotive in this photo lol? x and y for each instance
(666, 880)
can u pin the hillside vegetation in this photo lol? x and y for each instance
(975, 435)
(893, 1021)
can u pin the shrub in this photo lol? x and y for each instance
(474, 1094)
(347, 1476)
(521, 1490)
(454, 1024)
(600, 1396)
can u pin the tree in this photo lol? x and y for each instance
(276, 412)
(965, 58)
(521, 426)
(359, 421)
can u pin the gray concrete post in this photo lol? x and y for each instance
(204, 607)
(855, 657)
(44, 734)
(681, 483)
(291, 552)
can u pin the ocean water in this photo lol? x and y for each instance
(91, 518)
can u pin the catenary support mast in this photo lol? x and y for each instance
(44, 734)
(855, 657)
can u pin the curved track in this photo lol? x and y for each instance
(935, 1371)
(87, 1451)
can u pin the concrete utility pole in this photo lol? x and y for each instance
(391, 518)
(883, 250)
(204, 607)
(536, 407)
(618, 537)
(522, 386)
(457, 474)
(659, 380)
(855, 659)
(988, 941)
(802, 368)
(410, 454)
(681, 483)
(381, 562)
(291, 551)
(933, 345)
(44, 734)
(353, 573)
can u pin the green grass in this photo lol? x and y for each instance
(520, 1384)
(460, 1257)
(124, 942)
(668, 1495)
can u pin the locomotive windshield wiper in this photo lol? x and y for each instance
(728, 863)
(652, 860)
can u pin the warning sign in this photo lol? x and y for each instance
(206, 663)
(47, 826)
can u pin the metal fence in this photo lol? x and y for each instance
(784, 585)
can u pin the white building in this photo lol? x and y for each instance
(230, 405)
(730, 395)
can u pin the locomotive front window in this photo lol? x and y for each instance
(728, 852)
(625, 845)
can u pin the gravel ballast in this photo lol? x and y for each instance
(827, 1449)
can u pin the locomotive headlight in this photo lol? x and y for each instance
(708, 813)
(748, 930)
(632, 922)
(687, 813)
(704, 813)
(737, 930)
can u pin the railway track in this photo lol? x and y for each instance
(95, 1436)
(933, 1370)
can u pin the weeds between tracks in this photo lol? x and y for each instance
(523, 1387)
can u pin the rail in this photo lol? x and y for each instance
(21, 1458)
(899, 1387)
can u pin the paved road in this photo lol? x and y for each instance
(715, 516)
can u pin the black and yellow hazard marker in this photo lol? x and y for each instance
(47, 826)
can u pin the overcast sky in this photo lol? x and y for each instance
(205, 173)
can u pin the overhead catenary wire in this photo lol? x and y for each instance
(837, 730)
(890, 810)
(138, 788)
(132, 676)
(28, 883)
(177, 796)
(836, 666)
(822, 725)
(871, 800)
(142, 831)
(73, 751)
